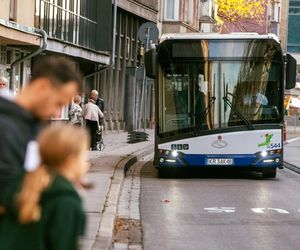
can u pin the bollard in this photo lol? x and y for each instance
(284, 131)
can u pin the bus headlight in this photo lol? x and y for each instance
(264, 153)
(174, 153)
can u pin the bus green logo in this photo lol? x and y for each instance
(267, 141)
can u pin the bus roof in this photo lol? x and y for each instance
(199, 36)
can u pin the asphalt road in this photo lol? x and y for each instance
(220, 211)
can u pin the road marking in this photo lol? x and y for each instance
(261, 210)
(220, 209)
(292, 140)
(279, 210)
(258, 210)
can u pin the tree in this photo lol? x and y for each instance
(239, 12)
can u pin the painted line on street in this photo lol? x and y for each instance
(220, 209)
(292, 140)
(256, 210)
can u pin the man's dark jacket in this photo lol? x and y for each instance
(100, 104)
(17, 128)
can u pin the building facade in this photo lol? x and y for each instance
(82, 30)
(17, 38)
(293, 42)
(293, 47)
(73, 28)
(120, 86)
(268, 22)
(181, 16)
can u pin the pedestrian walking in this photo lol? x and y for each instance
(53, 84)
(45, 211)
(3, 83)
(92, 115)
(98, 101)
(4, 90)
(75, 112)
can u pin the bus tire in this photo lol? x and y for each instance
(269, 172)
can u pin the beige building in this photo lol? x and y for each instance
(17, 38)
(28, 28)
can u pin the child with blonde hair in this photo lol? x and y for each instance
(46, 213)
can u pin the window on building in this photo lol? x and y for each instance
(275, 12)
(294, 7)
(12, 10)
(188, 12)
(172, 10)
(293, 42)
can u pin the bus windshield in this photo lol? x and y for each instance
(213, 93)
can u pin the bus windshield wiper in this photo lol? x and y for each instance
(206, 112)
(239, 114)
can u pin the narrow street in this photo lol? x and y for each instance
(220, 211)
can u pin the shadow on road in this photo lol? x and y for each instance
(202, 173)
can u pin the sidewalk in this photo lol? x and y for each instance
(104, 165)
(292, 150)
(292, 132)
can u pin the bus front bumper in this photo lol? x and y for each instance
(272, 159)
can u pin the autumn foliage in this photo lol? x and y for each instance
(237, 11)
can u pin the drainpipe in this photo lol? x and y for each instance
(42, 47)
(112, 58)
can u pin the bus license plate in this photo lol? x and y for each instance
(219, 161)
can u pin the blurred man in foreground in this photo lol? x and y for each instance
(53, 83)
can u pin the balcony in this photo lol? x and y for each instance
(153, 4)
(71, 21)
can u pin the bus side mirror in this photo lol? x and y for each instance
(291, 71)
(150, 63)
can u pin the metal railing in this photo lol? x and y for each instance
(71, 21)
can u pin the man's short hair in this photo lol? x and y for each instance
(94, 91)
(58, 69)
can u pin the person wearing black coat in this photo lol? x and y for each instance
(18, 128)
(53, 84)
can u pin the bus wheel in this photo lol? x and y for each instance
(269, 172)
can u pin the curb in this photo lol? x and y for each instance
(291, 167)
(104, 234)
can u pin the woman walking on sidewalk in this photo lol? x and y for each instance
(75, 112)
(47, 213)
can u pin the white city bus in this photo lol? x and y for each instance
(219, 100)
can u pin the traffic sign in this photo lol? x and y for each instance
(148, 32)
